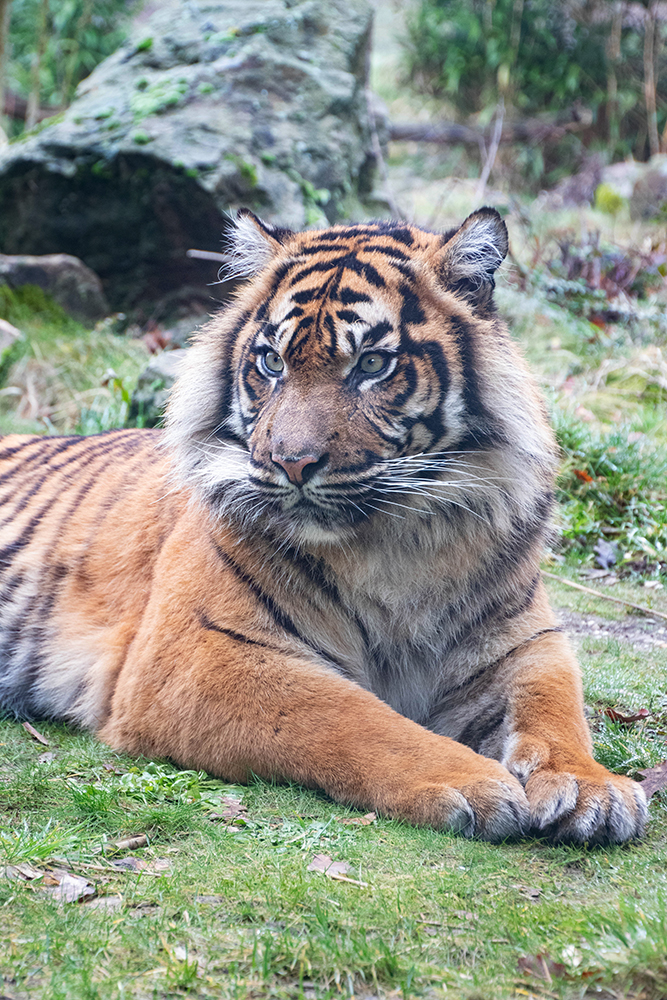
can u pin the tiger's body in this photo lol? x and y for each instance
(328, 571)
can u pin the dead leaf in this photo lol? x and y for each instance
(22, 871)
(583, 475)
(113, 769)
(129, 843)
(359, 820)
(70, 888)
(233, 809)
(323, 863)
(542, 966)
(626, 720)
(35, 735)
(106, 903)
(130, 864)
(654, 779)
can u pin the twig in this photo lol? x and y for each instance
(493, 151)
(604, 597)
(35, 735)
(343, 878)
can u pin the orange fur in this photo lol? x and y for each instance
(328, 571)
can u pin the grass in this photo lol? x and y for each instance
(60, 377)
(228, 908)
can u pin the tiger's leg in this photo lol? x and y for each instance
(209, 700)
(572, 797)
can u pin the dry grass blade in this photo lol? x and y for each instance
(605, 597)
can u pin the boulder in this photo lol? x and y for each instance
(66, 279)
(649, 194)
(209, 105)
(153, 385)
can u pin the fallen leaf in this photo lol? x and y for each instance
(112, 768)
(626, 720)
(233, 809)
(22, 871)
(323, 863)
(106, 903)
(359, 820)
(35, 735)
(654, 779)
(542, 966)
(583, 475)
(606, 553)
(70, 888)
(129, 843)
(130, 864)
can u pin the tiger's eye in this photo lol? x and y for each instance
(273, 362)
(372, 363)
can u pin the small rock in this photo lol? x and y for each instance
(66, 279)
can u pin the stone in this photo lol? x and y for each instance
(66, 279)
(649, 194)
(153, 385)
(209, 105)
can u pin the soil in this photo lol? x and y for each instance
(642, 633)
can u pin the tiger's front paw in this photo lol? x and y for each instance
(597, 808)
(487, 808)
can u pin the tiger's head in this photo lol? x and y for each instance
(361, 373)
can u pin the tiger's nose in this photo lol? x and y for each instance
(298, 469)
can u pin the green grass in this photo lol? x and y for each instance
(60, 377)
(231, 910)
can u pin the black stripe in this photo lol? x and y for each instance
(479, 730)
(210, 626)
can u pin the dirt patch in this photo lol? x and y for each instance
(642, 633)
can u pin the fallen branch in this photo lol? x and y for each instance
(604, 597)
(532, 131)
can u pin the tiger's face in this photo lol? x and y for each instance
(350, 376)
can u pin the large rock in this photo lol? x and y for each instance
(209, 105)
(66, 279)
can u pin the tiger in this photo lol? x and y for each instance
(325, 569)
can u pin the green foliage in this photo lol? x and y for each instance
(615, 487)
(79, 34)
(472, 50)
(542, 55)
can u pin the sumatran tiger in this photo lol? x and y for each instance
(326, 568)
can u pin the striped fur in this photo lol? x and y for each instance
(327, 568)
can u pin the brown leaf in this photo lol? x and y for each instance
(106, 903)
(35, 735)
(626, 720)
(359, 820)
(542, 966)
(583, 475)
(654, 779)
(130, 864)
(22, 871)
(71, 888)
(323, 863)
(233, 809)
(130, 843)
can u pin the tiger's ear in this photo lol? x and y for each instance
(252, 244)
(472, 255)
